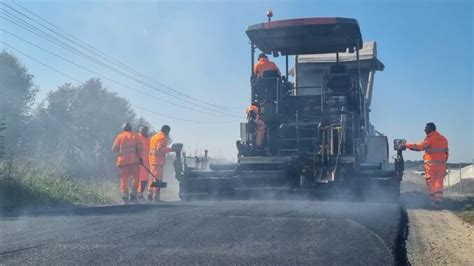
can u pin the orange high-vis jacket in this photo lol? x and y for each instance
(262, 65)
(252, 108)
(128, 148)
(435, 146)
(145, 147)
(260, 125)
(158, 149)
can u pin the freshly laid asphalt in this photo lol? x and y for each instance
(217, 233)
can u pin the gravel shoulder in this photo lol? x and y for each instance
(439, 238)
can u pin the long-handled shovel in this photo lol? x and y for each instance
(156, 183)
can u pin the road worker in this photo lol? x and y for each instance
(157, 159)
(128, 148)
(264, 64)
(145, 145)
(436, 155)
(253, 116)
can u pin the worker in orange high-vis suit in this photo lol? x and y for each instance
(128, 148)
(143, 176)
(157, 159)
(253, 115)
(263, 64)
(436, 155)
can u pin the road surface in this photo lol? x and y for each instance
(218, 233)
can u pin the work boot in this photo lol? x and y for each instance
(140, 197)
(149, 197)
(125, 200)
(133, 198)
(156, 197)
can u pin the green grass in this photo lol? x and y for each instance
(466, 216)
(467, 213)
(464, 207)
(22, 185)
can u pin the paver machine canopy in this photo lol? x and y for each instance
(317, 136)
(306, 36)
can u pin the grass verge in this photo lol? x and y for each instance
(464, 207)
(466, 216)
(23, 186)
(461, 205)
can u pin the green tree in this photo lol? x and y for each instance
(2, 137)
(78, 125)
(142, 122)
(17, 95)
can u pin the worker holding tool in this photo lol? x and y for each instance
(157, 159)
(128, 148)
(436, 155)
(264, 64)
(145, 145)
(253, 116)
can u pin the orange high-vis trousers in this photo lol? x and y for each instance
(260, 135)
(434, 175)
(143, 178)
(127, 172)
(158, 171)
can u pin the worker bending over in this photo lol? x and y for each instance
(142, 136)
(263, 64)
(253, 116)
(128, 148)
(436, 155)
(157, 159)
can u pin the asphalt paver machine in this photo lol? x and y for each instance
(318, 138)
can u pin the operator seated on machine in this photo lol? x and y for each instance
(264, 65)
(253, 117)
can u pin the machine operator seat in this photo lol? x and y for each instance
(265, 92)
(271, 74)
(265, 87)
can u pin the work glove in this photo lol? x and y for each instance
(176, 147)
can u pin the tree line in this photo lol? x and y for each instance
(71, 130)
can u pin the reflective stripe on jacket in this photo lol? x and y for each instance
(158, 149)
(128, 148)
(435, 146)
(263, 65)
(145, 147)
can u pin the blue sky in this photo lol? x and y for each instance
(200, 48)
